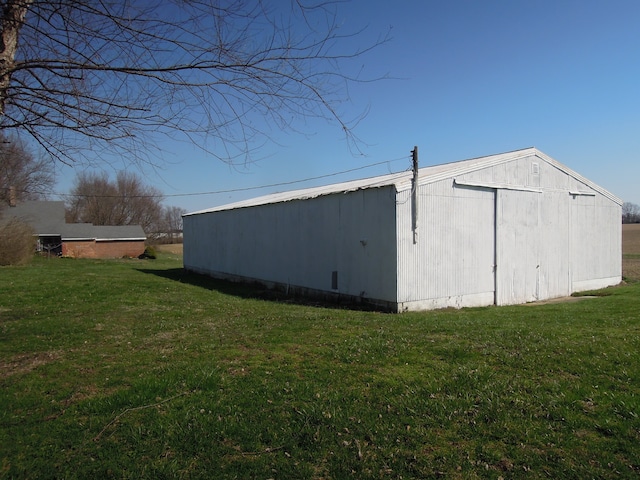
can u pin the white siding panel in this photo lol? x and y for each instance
(554, 246)
(451, 265)
(517, 250)
(522, 172)
(596, 242)
(302, 243)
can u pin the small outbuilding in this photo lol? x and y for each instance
(504, 229)
(80, 240)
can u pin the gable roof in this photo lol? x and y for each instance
(403, 180)
(47, 219)
(101, 233)
(105, 233)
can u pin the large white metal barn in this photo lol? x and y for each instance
(504, 229)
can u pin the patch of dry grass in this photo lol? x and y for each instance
(631, 239)
(631, 268)
(172, 248)
(631, 251)
(26, 362)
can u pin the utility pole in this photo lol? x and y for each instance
(414, 195)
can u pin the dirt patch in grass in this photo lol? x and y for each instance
(562, 300)
(25, 363)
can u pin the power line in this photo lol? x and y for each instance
(243, 189)
(280, 184)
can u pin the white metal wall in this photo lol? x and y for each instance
(595, 242)
(510, 233)
(526, 238)
(451, 265)
(518, 237)
(553, 247)
(341, 240)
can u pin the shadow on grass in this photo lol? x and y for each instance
(256, 290)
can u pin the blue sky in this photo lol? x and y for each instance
(471, 78)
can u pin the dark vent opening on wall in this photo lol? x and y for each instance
(334, 280)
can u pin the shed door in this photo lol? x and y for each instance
(517, 247)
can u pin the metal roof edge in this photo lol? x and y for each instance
(492, 160)
(123, 239)
(97, 239)
(76, 239)
(579, 177)
(402, 181)
(309, 193)
(462, 167)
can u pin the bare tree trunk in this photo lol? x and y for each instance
(11, 20)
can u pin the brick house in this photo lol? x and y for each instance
(79, 240)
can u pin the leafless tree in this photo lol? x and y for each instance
(171, 227)
(96, 199)
(630, 213)
(91, 199)
(23, 176)
(81, 75)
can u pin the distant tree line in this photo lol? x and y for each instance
(630, 213)
(95, 198)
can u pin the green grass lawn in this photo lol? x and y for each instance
(135, 369)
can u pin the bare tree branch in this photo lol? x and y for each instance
(86, 75)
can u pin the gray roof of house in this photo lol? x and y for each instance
(115, 232)
(47, 218)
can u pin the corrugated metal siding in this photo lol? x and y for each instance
(452, 262)
(517, 247)
(596, 239)
(543, 239)
(520, 172)
(550, 244)
(301, 243)
(550, 231)
(553, 247)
